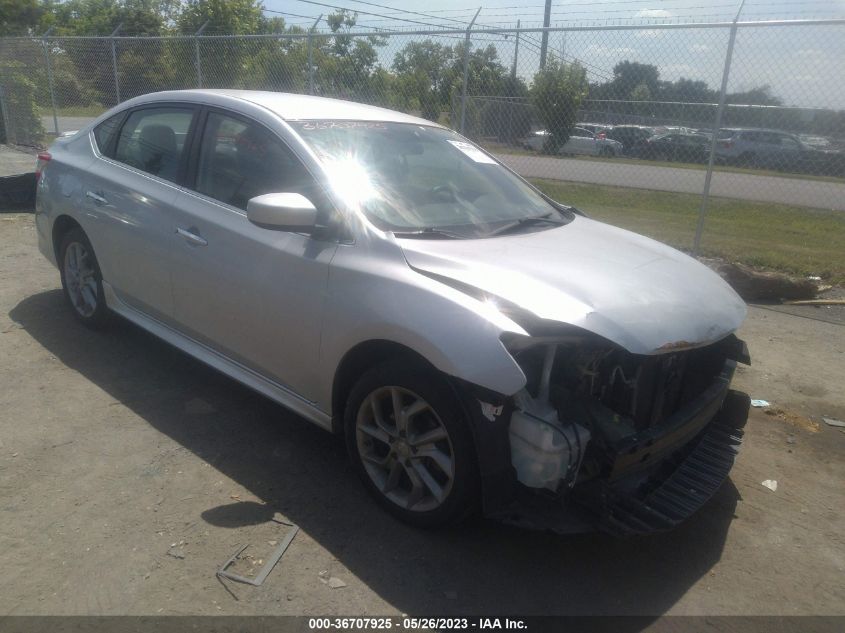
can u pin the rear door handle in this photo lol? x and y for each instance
(191, 237)
(96, 197)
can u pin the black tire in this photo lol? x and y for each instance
(463, 496)
(100, 315)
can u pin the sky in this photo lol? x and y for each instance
(804, 65)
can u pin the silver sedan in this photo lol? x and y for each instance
(478, 345)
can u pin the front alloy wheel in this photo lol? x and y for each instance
(411, 444)
(405, 449)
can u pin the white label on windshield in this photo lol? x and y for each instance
(473, 152)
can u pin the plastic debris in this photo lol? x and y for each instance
(834, 422)
(760, 403)
(771, 484)
(331, 581)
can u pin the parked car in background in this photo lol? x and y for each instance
(594, 128)
(477, 344)
(818, 142)
(581, 142)
(630, 135)
(689, 148)
(759, 148)
(774, 149)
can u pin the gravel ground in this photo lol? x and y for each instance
(129, 472)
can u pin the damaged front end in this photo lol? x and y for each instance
(601, 437)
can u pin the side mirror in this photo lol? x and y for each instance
(282, 212)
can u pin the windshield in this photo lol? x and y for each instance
(411, 178)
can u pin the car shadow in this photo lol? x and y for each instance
(295, 468)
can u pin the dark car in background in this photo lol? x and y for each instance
(688, 148)
(630, 135)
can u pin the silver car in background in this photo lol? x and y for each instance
(478, 345)
(581, 142)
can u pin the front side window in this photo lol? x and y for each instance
(153, 140)
(408, 177)
(240, 159)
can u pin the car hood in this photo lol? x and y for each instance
(629, 289)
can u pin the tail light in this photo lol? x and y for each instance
(41, 163)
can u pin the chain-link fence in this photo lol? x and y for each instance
(653, 127)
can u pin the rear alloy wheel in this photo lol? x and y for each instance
(81, 279)
(411, 446)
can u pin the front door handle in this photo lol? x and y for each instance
(96, 197)
(191, 237)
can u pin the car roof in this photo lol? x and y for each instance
(289, 106)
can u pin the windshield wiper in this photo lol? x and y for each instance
(521, 222)
(430, 231)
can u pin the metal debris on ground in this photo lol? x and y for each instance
(833, 422)
(817, 302)
(771, 484)
(760, 403)
(268, 567)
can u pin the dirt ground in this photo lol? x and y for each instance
(129, 472)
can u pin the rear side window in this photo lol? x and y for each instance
(104, 134)
(153, 140)
(241, 159)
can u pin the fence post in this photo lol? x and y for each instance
(8, 135)
(114, 62)
(466, 72)
(705, 195)
(311, 55)
(50, 79)
(198, 62)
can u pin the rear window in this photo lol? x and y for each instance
(104, 134)
(153, 140)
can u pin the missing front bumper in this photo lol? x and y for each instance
(643, 503)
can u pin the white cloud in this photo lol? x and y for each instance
(654, 13)
(595, 50)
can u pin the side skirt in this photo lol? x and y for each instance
(221, 363)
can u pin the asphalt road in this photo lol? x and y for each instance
(809, 193)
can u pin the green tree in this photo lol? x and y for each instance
(556, 94)
(346, 67)
(19, 93)
(19, 17)
(231, 17)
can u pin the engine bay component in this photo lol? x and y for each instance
(544, 450)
